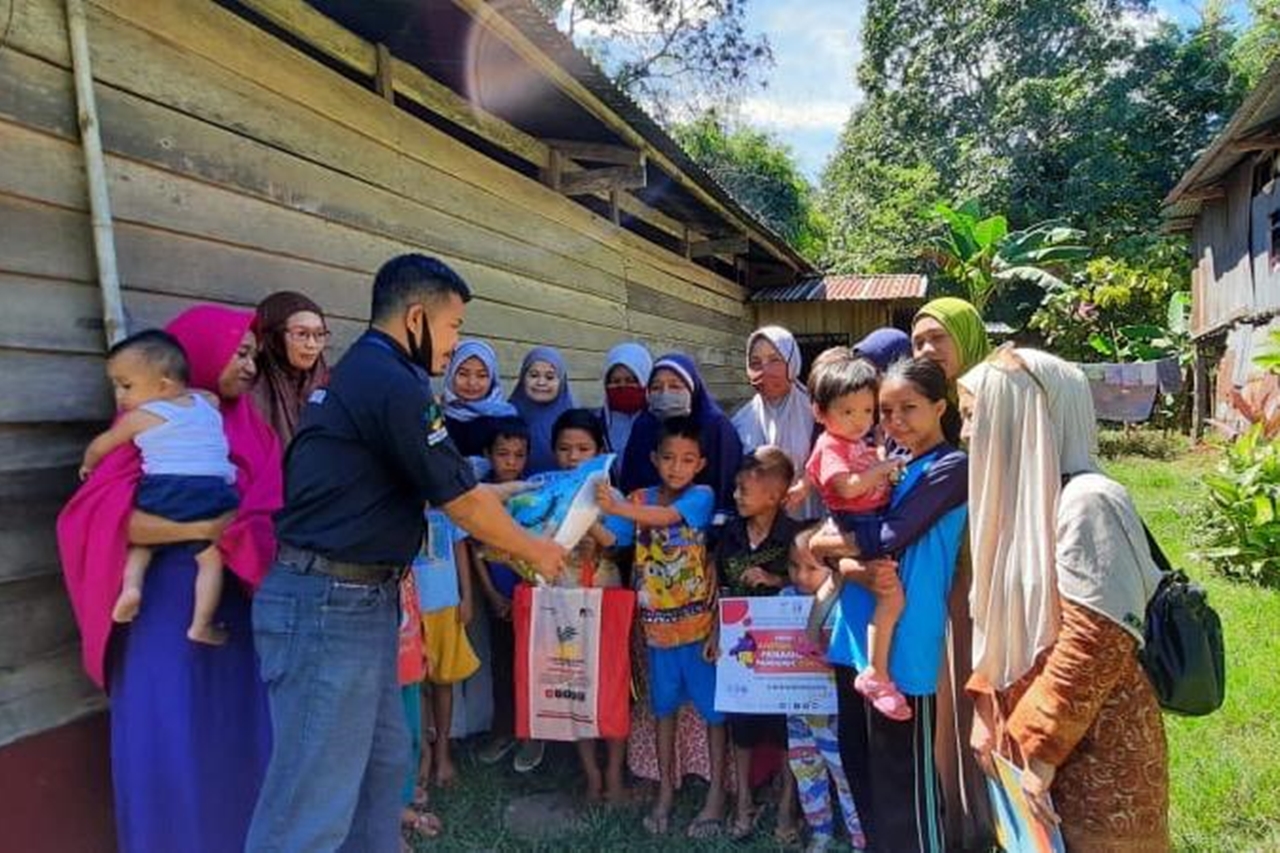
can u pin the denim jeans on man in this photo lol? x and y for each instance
(327, 652)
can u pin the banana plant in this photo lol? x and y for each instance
(983, 255)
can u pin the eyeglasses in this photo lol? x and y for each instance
(301, 336)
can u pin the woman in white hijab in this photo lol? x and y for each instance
(1062, 576)
(780, 413)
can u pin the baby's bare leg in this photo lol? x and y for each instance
(889, 606)
(208, 594)
(135, 573)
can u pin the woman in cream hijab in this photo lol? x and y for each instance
(1062, 576)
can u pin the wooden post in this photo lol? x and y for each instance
(1199, 393)
(384, 80)
(104, 243)
(615, 203)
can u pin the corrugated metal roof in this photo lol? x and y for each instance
(847, 288)
(1260, 110)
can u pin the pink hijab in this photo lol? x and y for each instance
(93, 526)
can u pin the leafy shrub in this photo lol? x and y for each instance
(1147, 443)
(1240, 525)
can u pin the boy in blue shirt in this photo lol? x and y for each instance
(675, 590)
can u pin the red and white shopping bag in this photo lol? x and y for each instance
(572, 662)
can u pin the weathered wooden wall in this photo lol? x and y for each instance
(1224, 286)
(856, 319)
(238, 166)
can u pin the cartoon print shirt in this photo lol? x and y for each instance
(673, 589)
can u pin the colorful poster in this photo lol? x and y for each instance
(1016, 830)
(762, 667)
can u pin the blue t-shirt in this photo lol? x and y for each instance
(926, 518)
(435, 569)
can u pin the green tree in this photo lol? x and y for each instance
(1259, 45)
(1044, 109)
(761, 174)
(668, 52)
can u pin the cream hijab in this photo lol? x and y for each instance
(1032, 539)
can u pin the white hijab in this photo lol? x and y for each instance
(1032, 540)
(787, 424)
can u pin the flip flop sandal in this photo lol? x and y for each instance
(425, 824)
(740, 830)
(657, 824)
(787, 837)
(705, 827)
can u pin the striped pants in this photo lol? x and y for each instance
(891, 771)
(814, 755)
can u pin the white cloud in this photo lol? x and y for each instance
(774, 113)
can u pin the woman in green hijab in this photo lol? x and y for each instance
(950, 332)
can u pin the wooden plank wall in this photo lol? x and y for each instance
(856, 319)
(237, 167)
(1221, 244)
(1266, 277)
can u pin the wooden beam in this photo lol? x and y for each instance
(738, 245)
(1266, 142)
(1208, 192)
(484, 13)
(338, 43)
(595, 152)
(553, 174)
(603, 180)
(1178, 226)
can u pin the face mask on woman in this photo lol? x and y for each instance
(627, 399)
(671, 404)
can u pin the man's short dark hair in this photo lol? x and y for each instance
(681, 427)
(769, 461)
(406, 279)
(159, 350)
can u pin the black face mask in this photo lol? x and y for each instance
(420, 351)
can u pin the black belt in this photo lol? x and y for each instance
(304, 562)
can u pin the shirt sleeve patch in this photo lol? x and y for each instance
(433, 420)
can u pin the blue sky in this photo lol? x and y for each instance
(811, 87)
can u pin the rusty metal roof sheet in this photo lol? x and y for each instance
(847, 288)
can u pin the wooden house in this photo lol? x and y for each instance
(262, 145)
(839, 310)
(1228, 202)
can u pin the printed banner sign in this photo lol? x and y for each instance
(760, 668)
(573, 662)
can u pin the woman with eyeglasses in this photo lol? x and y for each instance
(292, 337)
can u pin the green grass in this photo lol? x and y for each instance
(1225, 768)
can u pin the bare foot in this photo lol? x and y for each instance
(658, 821)
(446, 775)
(210, 635)
(127, 605)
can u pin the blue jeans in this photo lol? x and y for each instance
(327, 653)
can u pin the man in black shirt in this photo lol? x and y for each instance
(370, 451)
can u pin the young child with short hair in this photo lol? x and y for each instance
(675, 594)
(186, 473)
(855, 481)
(576, 437)
(813, 748)
(752, 558)
(442, 572)
(508, 456)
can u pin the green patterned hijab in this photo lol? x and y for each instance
(963, 322)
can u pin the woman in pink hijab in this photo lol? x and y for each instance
(189, 727)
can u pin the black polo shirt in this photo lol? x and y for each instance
(734, 555)
(370, 451)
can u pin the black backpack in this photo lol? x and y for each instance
(1184, 654)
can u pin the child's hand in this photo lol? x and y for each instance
(757, 576)
(711, 647)
(606, 498)
(501, 605)
(797, 494)
(85, 471)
